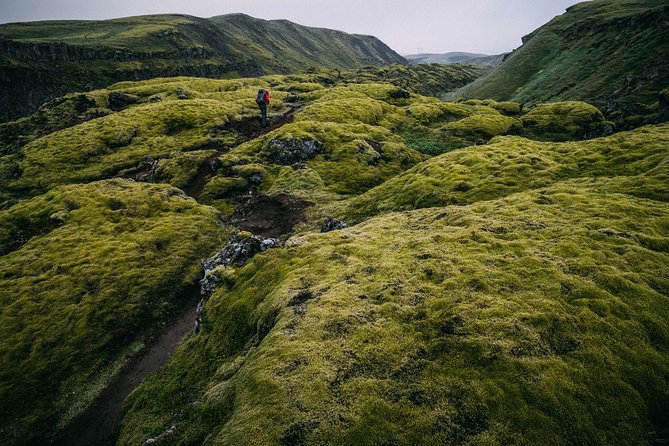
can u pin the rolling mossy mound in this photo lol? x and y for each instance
(536, 263)
(515, 318)
(203, 135)
(86, 273)
(610, 53)
(564, 121)
(514, 164)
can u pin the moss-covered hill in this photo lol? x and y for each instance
(538, 317)
(43, 60)
(611, 53)
(500, 292)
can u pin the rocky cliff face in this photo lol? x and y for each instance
(43, 60)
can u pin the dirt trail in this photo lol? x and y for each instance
(100, 424)
(250, 128)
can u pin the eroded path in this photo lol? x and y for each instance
(247, 129)
(100, 424)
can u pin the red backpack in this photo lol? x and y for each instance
(263, 96)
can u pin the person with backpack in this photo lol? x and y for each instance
(262, 99)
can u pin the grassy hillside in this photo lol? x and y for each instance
(446, 58)
(506, 275)
(611, 53)
(505, 321)
(43, 60)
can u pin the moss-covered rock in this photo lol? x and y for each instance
(564, 121)
(484, 125)
(506, 107)
(447, 325)
(86, 272)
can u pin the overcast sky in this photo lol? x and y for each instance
(408, 26)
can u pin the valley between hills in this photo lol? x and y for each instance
(409, 254)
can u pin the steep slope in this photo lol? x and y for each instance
(487, 61)
(43, 60)
(506, 321)
(281, 46)
(611, 53)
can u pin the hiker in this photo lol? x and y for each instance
(262, 99)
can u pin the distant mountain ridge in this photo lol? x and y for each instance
(43, 60)
(456, 57)
(611, 53)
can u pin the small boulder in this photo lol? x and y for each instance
(118, 101)
(400, 93)
(183, 94)
(59, 218)
(332, 224)
(293, 151)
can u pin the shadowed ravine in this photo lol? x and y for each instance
(100, 423)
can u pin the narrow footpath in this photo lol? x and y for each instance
(100, 424)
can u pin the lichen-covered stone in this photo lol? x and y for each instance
(293, 151)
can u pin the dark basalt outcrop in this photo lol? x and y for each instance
(332, 224)
(293, 151)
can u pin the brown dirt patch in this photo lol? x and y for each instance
(269, 216)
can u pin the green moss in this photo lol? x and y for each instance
(345, 111)
(104, 264)
(505, 107)
(484, 125)
(223, 187)
(181, 169)
(347, 164)
(448, 325)
(563, 121)
(514, 164)
(103, 147)
(506, 321)
(304, 183)
(429, 112)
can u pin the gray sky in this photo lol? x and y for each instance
(482, 26)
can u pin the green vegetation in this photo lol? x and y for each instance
(43, 60)
(166, 130)
(428, 80)
(499, 292)
(564, 121)
(611, 53)
(511, 319)
(514, 164)
(87, 271)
